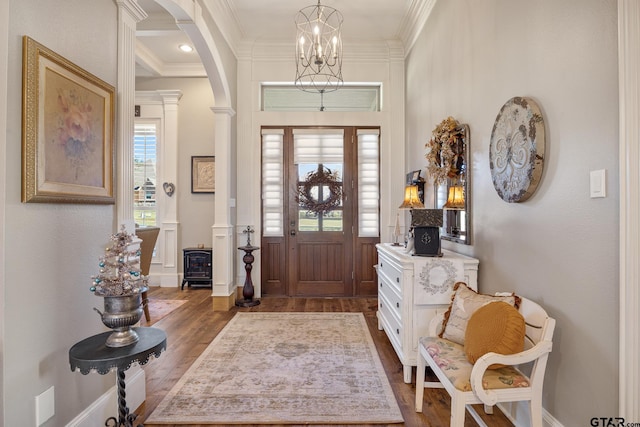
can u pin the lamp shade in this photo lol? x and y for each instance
(411, 199)
(456, 198)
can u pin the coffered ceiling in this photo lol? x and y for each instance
(269, 21)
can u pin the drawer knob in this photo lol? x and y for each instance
(398, 304)
(398, 331)
(380, 284)
(398, 279)
(380, 265)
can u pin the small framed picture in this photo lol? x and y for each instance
(203, 174)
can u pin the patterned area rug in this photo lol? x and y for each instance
(284, 368)
(159, 308)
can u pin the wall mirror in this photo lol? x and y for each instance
(453, 195)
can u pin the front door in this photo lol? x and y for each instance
(319, 214)
(317, 244)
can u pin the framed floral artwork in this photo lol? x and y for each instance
(203, 174)
(67, 130)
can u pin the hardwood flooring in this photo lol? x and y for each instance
(192, 327)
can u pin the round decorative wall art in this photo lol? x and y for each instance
(516, 151)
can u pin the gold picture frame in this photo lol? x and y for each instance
(67, 130)
(203, 174)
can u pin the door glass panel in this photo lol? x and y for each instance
(314, 190)
(332, 220)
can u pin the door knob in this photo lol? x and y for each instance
(292, 232)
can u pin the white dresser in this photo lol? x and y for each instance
(413, 289)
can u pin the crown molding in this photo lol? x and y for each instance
(225, 18)
(353, 51)
(414, 22)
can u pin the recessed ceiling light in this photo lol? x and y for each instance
(185, 48)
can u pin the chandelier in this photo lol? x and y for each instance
(318, 49)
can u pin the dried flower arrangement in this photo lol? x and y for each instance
(446, 148)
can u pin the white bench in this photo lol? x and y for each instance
(464, 381)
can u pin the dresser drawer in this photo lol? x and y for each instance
(390, 320)
(392, 298)
(393, 275)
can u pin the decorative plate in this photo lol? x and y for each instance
(516, 151)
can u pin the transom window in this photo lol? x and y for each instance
(280, 97)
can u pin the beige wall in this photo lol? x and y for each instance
(51, 250)
(560, 247)
(195, 138)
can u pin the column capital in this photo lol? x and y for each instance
(224, 110)
(133, 8)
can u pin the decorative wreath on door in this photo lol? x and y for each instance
(320, 178)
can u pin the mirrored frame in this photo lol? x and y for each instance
(457, 220)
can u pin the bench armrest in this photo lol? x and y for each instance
(542, 349)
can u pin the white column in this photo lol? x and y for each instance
(223, 241)
(629, 94)
(393, 188)
(169, 163)
(129, 13)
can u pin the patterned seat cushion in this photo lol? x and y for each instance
(451, 359)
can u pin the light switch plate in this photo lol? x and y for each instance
(598, 184)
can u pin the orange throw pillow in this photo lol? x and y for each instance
(496, 327)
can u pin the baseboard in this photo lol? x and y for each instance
(170, 280)
(107, 405)
(518, 414)
(221, 303)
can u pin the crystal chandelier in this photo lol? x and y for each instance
(318, 49)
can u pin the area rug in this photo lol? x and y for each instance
(159, 308)
(284, 368)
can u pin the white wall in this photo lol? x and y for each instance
(195, 138)
(269, 64)
(51, 250)
(559, 248)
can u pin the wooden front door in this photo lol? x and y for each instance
(318, 253)
(319, 215)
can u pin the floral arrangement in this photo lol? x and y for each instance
(323, 178)
(119, 273)
(446, 148)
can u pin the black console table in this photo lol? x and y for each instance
(92, 354)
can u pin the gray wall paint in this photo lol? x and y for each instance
(52, 250)
(195, 138)
(560, 248)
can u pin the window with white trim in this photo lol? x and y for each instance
(145, 149)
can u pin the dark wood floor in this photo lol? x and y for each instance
(192, 327)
